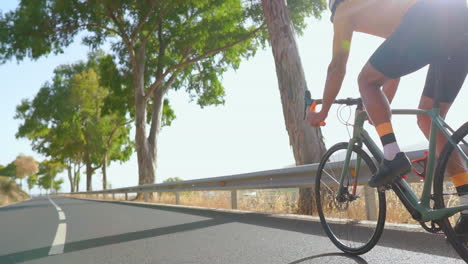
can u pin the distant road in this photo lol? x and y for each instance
(105, 232)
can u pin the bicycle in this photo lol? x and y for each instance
(347, 165)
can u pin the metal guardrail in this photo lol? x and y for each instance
(294, 177)
(299, 176)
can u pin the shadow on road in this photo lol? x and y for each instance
(412, 241)
(324, 258)
(38, 253)
(420, 242)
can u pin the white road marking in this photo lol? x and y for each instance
(55, 205)
(61, 234)
(61, 216)
(59, 241)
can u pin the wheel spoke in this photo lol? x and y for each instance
(341, 215)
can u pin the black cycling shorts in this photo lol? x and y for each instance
(435, 33)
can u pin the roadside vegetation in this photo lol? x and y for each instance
(25, 173)
(282, 201)
(156, 46)
(10, 192)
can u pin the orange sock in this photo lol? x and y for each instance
(390, 146)
(460, 181)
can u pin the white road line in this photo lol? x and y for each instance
(55, 205)
(61, 216)
(61, 234)
(59, 240)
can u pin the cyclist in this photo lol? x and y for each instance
(417, 33)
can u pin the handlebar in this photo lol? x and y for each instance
(313, 103)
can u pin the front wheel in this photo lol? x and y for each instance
(353, 225)
(446, 194)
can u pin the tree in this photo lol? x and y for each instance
(57, 186)
(44, 183)
(306, 141)
(77, 120)
(47, 173)
(163, 44)
(32, 181)
(25, 166)
(173, 179)
(9, 170)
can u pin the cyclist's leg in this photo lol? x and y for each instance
(413, 45)
(444, 81)
(407, 50)
(424, 121)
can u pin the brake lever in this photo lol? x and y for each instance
(308, 101)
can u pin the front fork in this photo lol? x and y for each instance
(356, 140)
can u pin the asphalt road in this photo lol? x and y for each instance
(109, 232)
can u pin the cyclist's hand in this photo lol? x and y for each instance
(316, 118)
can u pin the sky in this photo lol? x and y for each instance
(245, 134)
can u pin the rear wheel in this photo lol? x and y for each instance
(445, 193)
(351, 224)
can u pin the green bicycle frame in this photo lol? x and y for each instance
(418, 207)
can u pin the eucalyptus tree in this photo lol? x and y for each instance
(68, 120)
(306, 141)
(178, 44)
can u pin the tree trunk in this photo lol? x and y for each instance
(306, 141)
(89, 173)
(70, 178)
(145, 151)
(104, 172)
(76, 176)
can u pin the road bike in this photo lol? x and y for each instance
(355, 226)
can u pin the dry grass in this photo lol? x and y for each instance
(271, 201)
(10, 192)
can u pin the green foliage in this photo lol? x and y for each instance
(173, 179)
(168, 114)
(45, 182)
(58, 185)
(74, 118)
(160, 45)
(32, 181)
(48, 170)
(9, 170)
(188, 43)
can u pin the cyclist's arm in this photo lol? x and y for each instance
(343, 32)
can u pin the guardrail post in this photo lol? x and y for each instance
(126, 196)
(234, 199)
(370, 199)
(146, 196)
(177, 198)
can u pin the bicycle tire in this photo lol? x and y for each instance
(441, 189)
(374, 229)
